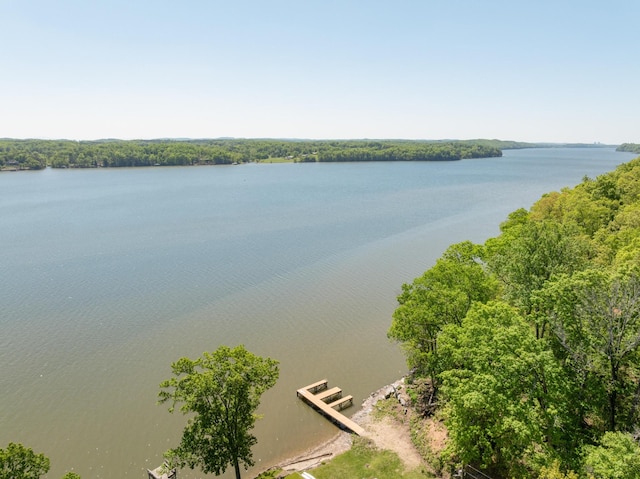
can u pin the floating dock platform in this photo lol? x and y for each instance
(325, 400)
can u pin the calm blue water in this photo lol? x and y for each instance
(110, 275)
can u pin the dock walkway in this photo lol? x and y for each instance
(325, 400)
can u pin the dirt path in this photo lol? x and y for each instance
(386, 433)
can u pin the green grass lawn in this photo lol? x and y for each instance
(364, 461)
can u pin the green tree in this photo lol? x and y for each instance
(505, 392)
(585, 205)
(529, 253)
(596, 320)
(554, 472)
(222, 390)
(442, 295)
(20, 462)
(631, 147)
(617, 457)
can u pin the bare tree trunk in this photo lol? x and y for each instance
(634, 406)
(613, 397)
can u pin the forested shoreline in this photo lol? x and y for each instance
(528, 346)
(629, 147)
(38, 154)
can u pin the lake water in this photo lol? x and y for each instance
(110, 275)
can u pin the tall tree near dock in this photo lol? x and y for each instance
(222, 390)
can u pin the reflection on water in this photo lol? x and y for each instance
(110, 275)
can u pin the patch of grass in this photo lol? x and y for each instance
(270, 474)
(364, 461)
(387, 408)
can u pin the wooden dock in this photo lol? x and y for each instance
(320, 397)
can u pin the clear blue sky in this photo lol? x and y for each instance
(563, 71)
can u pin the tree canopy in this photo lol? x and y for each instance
(441, 296)
(37, 154)
(221, 391)
(503, 390)
(20, 462)
(617, 456)
(630, 147)
(539, 375)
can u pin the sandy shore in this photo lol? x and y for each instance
(386, 433)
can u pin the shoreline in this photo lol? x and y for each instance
(341, 442)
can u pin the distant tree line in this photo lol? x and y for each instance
(380, 151)
(630, 147)
(38, 154)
